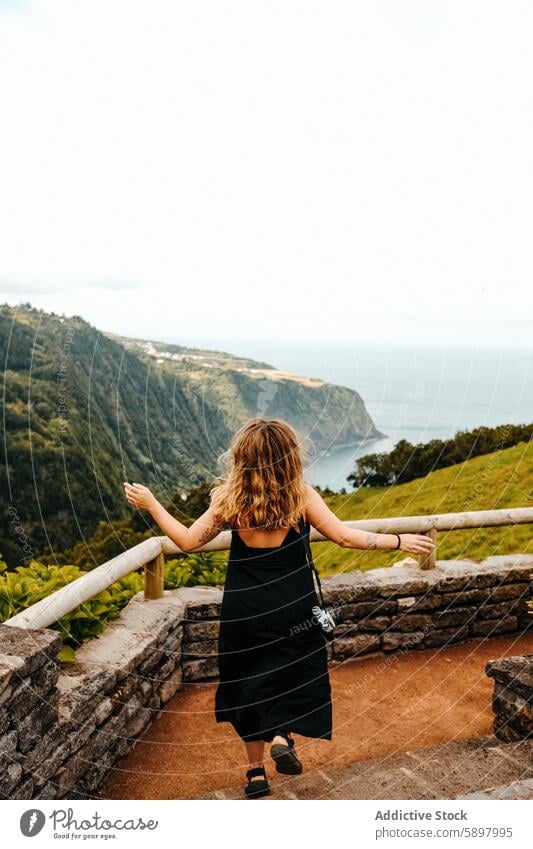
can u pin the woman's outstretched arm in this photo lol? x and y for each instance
(188, 539)
(328, 524)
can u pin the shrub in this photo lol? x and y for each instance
(27, 585)
(208, 568)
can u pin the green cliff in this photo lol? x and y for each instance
(85, 410)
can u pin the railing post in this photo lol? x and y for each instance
(429, 560)
(154, 577)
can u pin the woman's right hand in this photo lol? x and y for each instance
(416, 543)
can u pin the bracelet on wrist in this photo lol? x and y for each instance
(399, 541)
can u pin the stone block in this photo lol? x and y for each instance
(343, 594)
(150, 661)
(169, 687)
(462, 599)
(172, 643)
(461, 583)
(510, 703)
(397, 640)
(38, 720)
(29, 729)
(509, 567)
(96, 774)
(197, 631)
(413, 587)
(199, 611)
(428, 601)
(103, 710)
(5, 719)
(511, 726)
(49, 710)
(6, 694)
(375, 624)
(120, 695)
(164, 669)
(9, 778)
(500, 610)
(200, 670)
(173, 639)
(8, 746)
(47, 753)
(47, 791)
(411, 622)
(515, 672)
(455, 616)
(7, 670)
(23, 790)
(82, 686)
(74, 768)
(26, 650)
(139, 722)
(145, 689)
(495, 626)
(196, 651)
(365, 610)
(443, 636)
(46, 676)
(508, 591)
(25, 698)
(346, 628)
(346, 647)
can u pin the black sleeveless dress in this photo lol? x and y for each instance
(272, 652)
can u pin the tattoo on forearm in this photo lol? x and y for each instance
(207, 535)
(371, 540)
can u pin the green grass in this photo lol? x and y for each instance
(493, 481)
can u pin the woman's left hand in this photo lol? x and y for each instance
(140, 496)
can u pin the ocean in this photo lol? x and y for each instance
(416, 394)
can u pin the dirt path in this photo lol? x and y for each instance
(381, 706)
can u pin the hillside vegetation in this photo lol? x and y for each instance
(407, 461)
(492, 481)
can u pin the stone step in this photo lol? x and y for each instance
(516, 790)
(484, 768)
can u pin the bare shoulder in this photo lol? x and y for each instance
(310, 491)
(311, 498)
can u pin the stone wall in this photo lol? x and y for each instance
(512, 700)
(403, 607)
(397, 608)
(63, 726)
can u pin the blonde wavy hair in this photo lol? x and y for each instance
(264, 487)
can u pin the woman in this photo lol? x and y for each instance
(272, 650)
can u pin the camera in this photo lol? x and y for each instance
(325, 618)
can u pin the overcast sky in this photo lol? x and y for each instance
(349, 171)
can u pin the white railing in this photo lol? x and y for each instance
(150, 555)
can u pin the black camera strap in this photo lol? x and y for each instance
(305, 530)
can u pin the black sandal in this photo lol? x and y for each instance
(256, 788)
(285, 757)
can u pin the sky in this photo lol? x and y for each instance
(337, 171)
